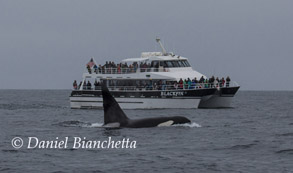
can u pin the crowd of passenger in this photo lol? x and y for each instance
(202, 83)
(86, 85)
(121, 68)
(161, 84)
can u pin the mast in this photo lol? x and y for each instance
(161, 45)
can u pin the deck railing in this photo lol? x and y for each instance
(126, 70)
(161, 87)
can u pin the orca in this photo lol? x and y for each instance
(115, 117)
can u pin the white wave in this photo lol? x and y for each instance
(188, 125)
(96, 125)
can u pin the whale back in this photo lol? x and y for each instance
(115, 117)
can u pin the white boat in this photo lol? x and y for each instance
(151, 82)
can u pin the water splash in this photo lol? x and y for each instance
(73, 124)
(96, 125)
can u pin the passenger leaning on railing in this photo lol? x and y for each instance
(188, 83)
(75, 85)
(118, 69)
(185, 84)
(84, 85)
(100, 68)
(180, 85)
(228, 81)
(217, 82)
(222, 82)
(95, 68)
(89, 69)
(89, 85)
(212, 81)
(97, 84)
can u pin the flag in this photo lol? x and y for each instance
(91, 63)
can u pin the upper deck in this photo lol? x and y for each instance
(150, 65)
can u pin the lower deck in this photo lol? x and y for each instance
(156, 99)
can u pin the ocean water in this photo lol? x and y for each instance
(256, 135)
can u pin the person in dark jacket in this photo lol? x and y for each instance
(84, 85)
(89, 85)
(75, 85)
(228, 81)
(97, 84)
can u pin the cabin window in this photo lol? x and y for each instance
(175, 63)
(155, 64)
(169, 64)
(181, 64)
(165, 64)
(186, 63)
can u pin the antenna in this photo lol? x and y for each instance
(163, 49)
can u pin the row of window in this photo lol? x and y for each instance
(170, 64)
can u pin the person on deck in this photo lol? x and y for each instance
(206, 81)
(193, 83)
(175, 85)
(201, 80)
(185, 84)
(189, 83)
(222, 82)
(89, 85)
(216, 82)
(75, 85)
(212, 81)
(97, 84)
(84, 85)
(96, 69)
(180, 83)
(228, 81)
(89, 69)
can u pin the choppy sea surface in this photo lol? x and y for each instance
(256, 135)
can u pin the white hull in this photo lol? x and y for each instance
(215, 101)
(135, 103)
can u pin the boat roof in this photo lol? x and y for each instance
(154, 58)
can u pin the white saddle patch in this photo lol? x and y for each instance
(167, 123)
(112, 125)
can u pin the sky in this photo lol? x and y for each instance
(46, 44)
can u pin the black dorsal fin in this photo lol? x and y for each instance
(112, 111)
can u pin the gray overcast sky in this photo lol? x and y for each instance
(46, 44)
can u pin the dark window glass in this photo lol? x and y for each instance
(165, 64)
(169, 64)
(175, 64)
(155, 64)
(187, 63)
(181, 64)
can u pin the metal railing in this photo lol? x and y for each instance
(161, 87)
(125, 70)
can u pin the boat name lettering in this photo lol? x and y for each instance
(170, 93)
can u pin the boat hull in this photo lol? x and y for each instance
(220, 99)
(141, 99)
(135, 103)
